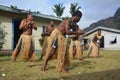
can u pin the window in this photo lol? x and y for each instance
(113, 40)
(43, 29)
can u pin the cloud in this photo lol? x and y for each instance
(93, 10)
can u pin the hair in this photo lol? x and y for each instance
(29, 14)
(99, 30)
(77, 13)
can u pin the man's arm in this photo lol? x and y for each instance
(47, 31)
(67, 26)
(34, 26)
(24, 24)
(98, 36)
(94, 40)
(73, 36)
(80, 32)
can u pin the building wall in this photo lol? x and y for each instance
(107, 36)
(6, 23)
(37, 34)
(107, 39)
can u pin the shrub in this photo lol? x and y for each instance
(2, 37)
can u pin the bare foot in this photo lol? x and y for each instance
(43, 67)
(80, 59)
(13, 60)
(28, 61)
(64, 71)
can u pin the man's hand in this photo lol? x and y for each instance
(80, 32)
(29, 22)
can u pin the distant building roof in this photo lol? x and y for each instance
(20, 11)
(89, 31)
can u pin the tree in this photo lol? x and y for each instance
(58, 9)
(64, 18)
(74, 7)
(14, 7)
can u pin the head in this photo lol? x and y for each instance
(99, 31)
(51, 22)
(30, 17)
(76, 16)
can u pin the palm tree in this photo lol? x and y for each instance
(58, 9)
(14, 7)
(74, 7)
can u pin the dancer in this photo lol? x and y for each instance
(75, 48)
(58, 41)
(94, 48)
(25, 46)
(46, 33)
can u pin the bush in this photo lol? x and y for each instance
(41, 40)
(2, 37)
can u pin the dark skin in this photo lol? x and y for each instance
(75, 37)
(49, 28)
(64, 28)
(48, 31)
(27, 26)
(95, 38)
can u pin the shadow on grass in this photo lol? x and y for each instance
(2, 55)
(102, 75)
(85, 57)
(76, 64)
(33, 65)
(1, 60)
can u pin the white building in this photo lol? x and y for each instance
(10, 19)
(110, 37)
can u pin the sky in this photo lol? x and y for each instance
(93, 10)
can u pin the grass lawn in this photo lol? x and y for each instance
(107, 67)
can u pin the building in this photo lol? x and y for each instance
(110, 37)
(10, 19)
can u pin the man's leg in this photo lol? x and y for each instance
(50, 54)
(17, 50)
(43, 51)
(41, 56)
(15, 55)
(98, 52)
(89, 51)
(74, 51)
(44, 47)
(47, 58)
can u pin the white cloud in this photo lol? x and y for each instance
(66, 11)
(93, 10)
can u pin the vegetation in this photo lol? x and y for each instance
(41, 40)
(104, 68)
(13, 6)
(58, 9)
(2, 37)
(74, 7)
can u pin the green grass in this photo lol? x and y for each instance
(107, 67)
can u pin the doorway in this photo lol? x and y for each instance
(16, 31)
(102, 42)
